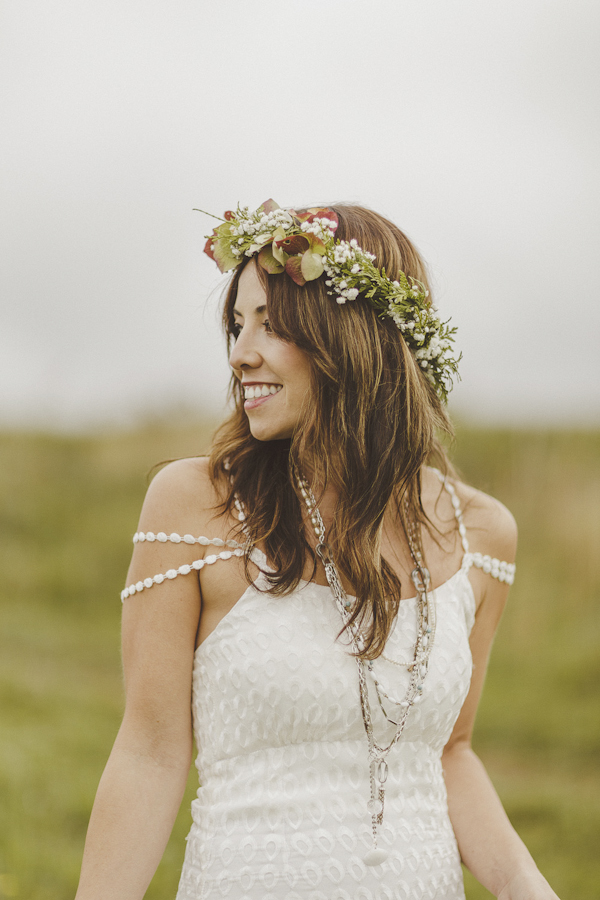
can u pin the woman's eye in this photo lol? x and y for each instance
(267, 325)
(235, 331)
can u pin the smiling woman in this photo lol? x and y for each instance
(329, 656)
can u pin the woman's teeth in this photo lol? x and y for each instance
(260, 390)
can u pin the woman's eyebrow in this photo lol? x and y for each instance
(259, 310)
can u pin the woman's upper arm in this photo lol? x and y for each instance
(491, 530)
(159, 625)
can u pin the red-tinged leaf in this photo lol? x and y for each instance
(268, 262)
(208, 248)
(317, 213)
(297, 243)
(294, 269)
(315, 244)
(269, 206)
(306, 216)
(311, 265)
(329, 214)
(229, 215)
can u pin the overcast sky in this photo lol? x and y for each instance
(473, 125)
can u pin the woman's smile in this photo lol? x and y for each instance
(257, 393)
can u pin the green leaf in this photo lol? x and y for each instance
(268, 261)
(311, 265)
(278, 253)
(223, 256)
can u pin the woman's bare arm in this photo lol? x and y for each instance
(143, 783)
(489, 846)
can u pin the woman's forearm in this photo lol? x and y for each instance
(489, 846)
(133, 815)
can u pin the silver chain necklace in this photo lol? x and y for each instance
(378, 766)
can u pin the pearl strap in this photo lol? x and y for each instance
(497, 568)
(173, 538)
(198, 564)
(162, 537)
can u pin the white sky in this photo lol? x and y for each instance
(474, 125)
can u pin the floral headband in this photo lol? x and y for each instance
(304, 245)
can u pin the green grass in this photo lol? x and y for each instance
(68, 507)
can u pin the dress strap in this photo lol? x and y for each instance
(234, 548)
(197, 565)
(462, 530)
(497, 568)
(174, 538)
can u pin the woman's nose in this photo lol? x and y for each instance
(244, 354)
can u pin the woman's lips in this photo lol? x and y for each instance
(258, 401)
(263, 390)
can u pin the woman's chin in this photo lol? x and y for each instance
(265, 432)
(271, 436)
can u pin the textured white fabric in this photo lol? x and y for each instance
(281, 813)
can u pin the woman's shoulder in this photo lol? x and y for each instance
(490, 527)
(182, 496)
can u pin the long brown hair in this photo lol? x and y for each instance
(372, 423)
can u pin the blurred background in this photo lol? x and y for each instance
(474, 127)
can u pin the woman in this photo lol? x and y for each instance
(332, 639)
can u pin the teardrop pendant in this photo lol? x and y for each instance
(375, 857)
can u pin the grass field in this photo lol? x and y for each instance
(68, 507)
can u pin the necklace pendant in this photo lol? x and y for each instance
(375, 806)
(381, 771)
(375, 857)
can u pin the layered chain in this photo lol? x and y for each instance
(417, 668)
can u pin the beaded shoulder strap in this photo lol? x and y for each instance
(230, 549)
(497, 568)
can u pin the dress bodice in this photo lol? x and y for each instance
(283, 756)
(287, 648)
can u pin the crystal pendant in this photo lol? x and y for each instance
(375, 857)
(375, 806)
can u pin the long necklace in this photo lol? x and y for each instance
(378, 766)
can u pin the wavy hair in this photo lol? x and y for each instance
(372, 422)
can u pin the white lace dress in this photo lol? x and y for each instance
(281, 812)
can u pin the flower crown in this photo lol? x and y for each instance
(303, 244)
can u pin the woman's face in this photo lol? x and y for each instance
(274, 373)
